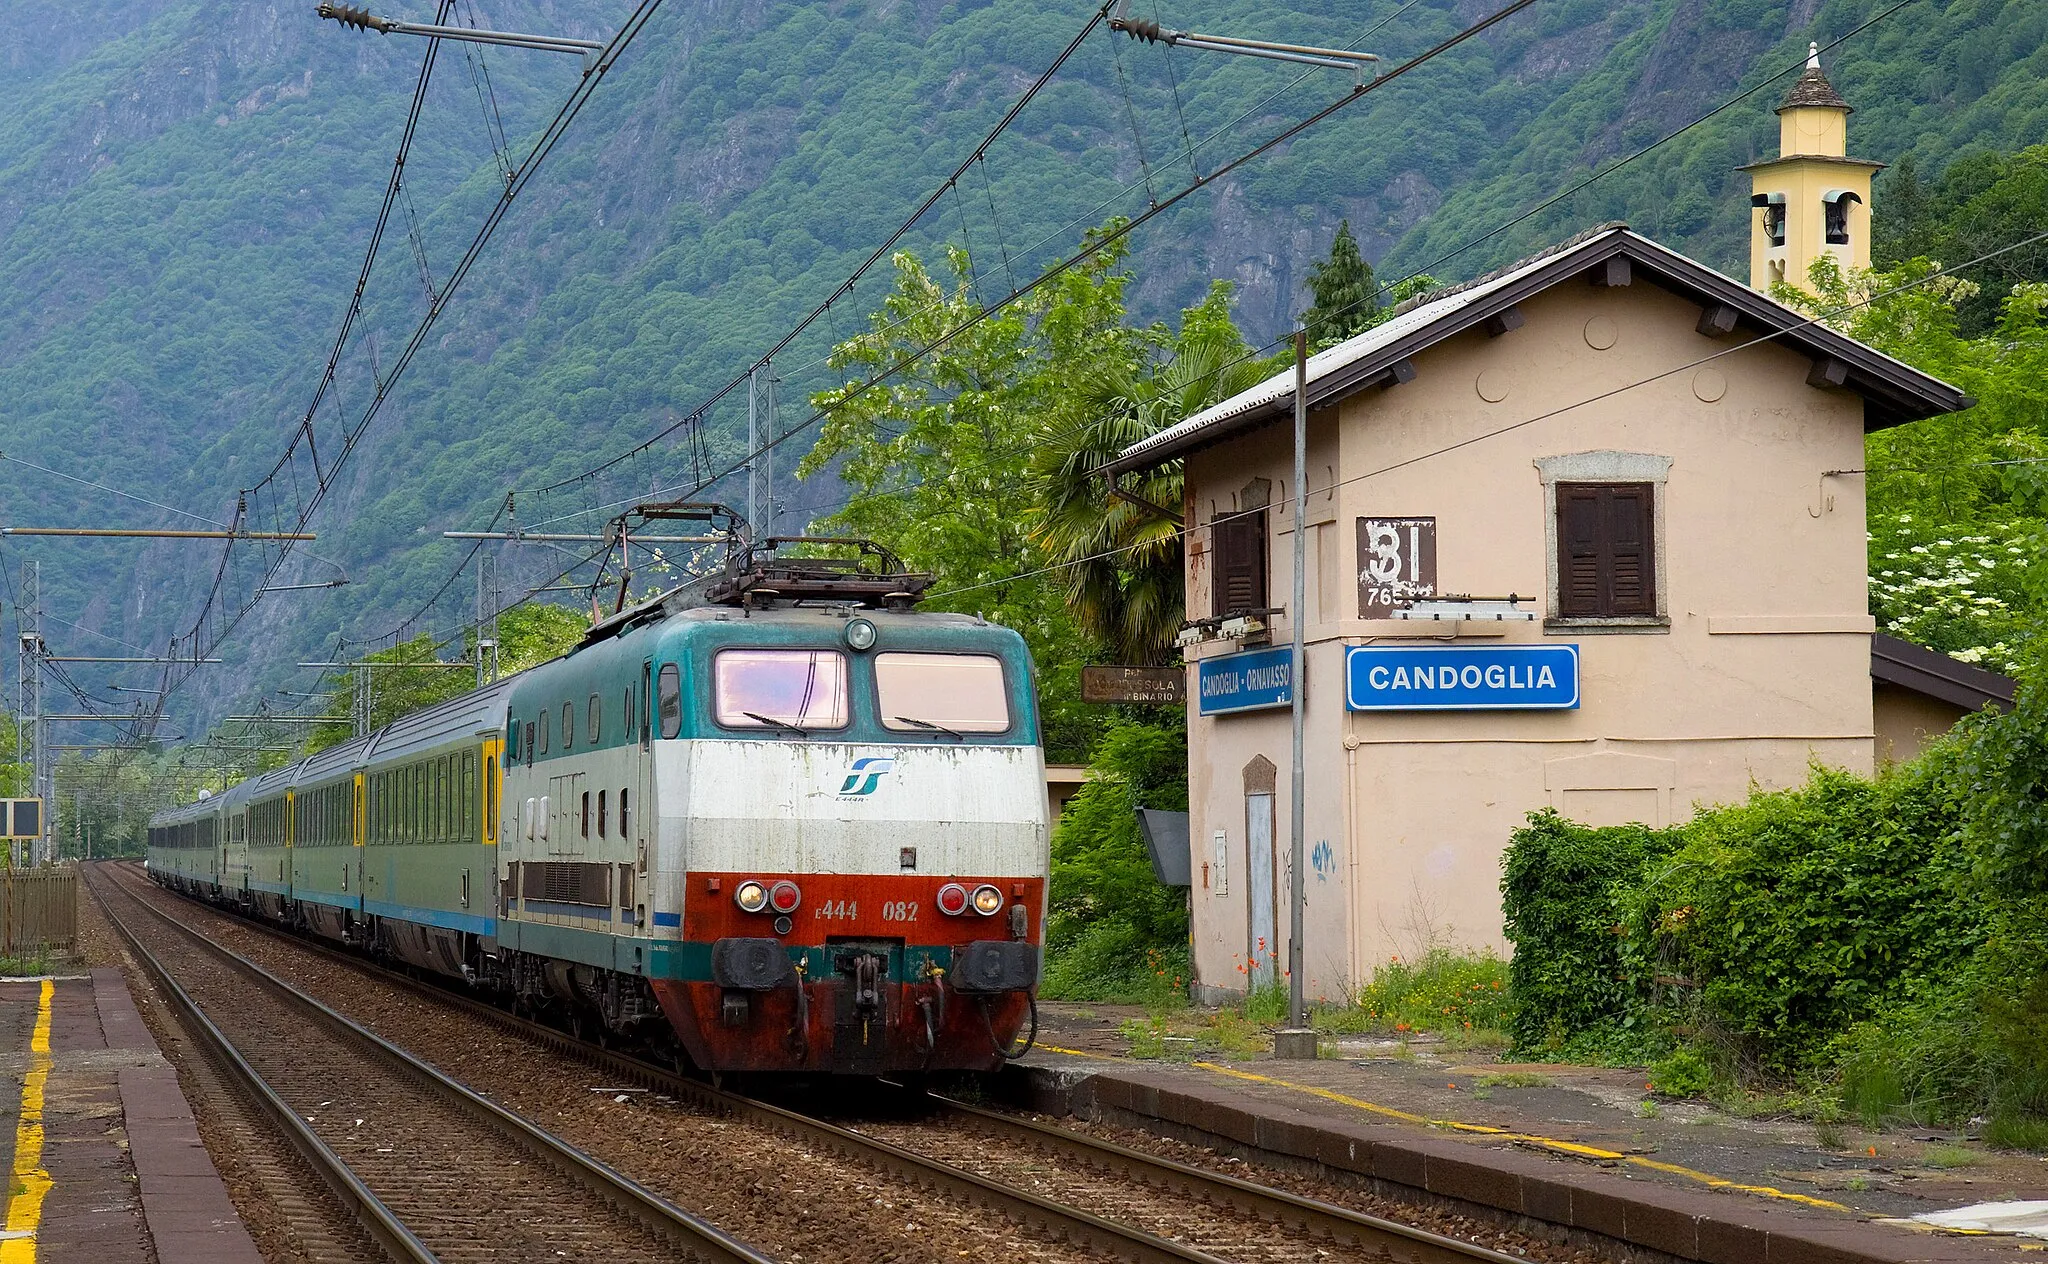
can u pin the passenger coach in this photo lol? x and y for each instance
(779, 820)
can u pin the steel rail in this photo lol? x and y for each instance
(1401, 1242)
(382, 1224)
(701, 1239)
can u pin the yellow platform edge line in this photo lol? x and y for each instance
(1574, 1149)
(31, 1183)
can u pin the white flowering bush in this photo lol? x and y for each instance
(1959, 588)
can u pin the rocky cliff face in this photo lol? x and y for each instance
(186, 187)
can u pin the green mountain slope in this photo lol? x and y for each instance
(186, 187)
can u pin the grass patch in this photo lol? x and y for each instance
(1947, 1157)
(1512, 1079)
(2017, 1132)
(1109, 963)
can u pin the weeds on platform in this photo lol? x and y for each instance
(1461, 996)
(27, 963)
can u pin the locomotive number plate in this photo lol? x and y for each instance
(899, 910)
(838, 910)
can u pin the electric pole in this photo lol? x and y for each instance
(32, 738)
(486, 617)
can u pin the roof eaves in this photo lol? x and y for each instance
(1936, 675)
(1897, 392)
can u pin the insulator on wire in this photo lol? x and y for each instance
(1140, 29)
(352, 15)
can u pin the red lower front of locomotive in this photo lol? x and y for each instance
(855, 974)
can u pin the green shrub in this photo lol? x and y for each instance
(1683, 1074)
(1561, 890)
(1115, 932)
(1111, 962)
(1803, 911)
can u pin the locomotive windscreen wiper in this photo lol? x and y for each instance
(928, 726)
(774, 723)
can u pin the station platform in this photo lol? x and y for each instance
(1567, 1152)
(106, 1160)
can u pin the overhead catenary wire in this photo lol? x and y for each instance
(1100, 242)
(205, 634)
(1090, 217)
(1843, 309)
(880, 252)
(1385, 287)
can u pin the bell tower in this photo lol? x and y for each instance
(1812, 199)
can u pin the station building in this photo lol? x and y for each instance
(1655, 462)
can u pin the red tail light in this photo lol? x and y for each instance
(783, 897)
(953, 899)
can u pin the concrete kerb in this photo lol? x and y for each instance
(184, 1201)
(1546, 1197)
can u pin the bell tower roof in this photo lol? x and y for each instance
(1812, 89)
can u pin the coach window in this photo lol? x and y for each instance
(513, 742)
(780, 689)
(595, 719)
(586, 814)
(623, 827)
(568, 726)
(942, 694)
(600, 814)
(671, 701)
(543, 732)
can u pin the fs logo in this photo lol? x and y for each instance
(865, 776)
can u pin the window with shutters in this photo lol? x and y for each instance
(1606, 551)
(1239, 577)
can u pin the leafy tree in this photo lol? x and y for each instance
(1121, 563)
(14, 775)
(527, 636)
(1958, 504)
(1114, 929)
(1982, 203)
(1347, 296)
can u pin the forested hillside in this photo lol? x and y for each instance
(186, 187)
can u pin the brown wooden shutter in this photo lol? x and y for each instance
(1578, 561)
(1632, 581)
(1607, 560)
(1240, 579)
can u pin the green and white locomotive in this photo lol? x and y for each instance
(777, 820)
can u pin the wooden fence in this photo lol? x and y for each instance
(38, 909)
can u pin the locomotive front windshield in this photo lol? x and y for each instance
(804, 689)
(954, 693)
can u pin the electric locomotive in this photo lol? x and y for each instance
(777, 820)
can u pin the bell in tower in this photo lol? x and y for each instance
(1812, 199)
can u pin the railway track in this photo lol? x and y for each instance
(433, 1171)
(1119, 1202)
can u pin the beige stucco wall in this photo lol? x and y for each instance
(1906, 722)
(1764, 664)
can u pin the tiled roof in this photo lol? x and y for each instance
(1896, 392)
(1813, 88)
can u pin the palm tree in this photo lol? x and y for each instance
(1120, 561)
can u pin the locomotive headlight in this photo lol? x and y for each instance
(988, 901)
(751, 896)
(860, 634)
(952, 899)
(783, 897)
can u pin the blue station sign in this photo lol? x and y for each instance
(1461, 678)
(1250, 681)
